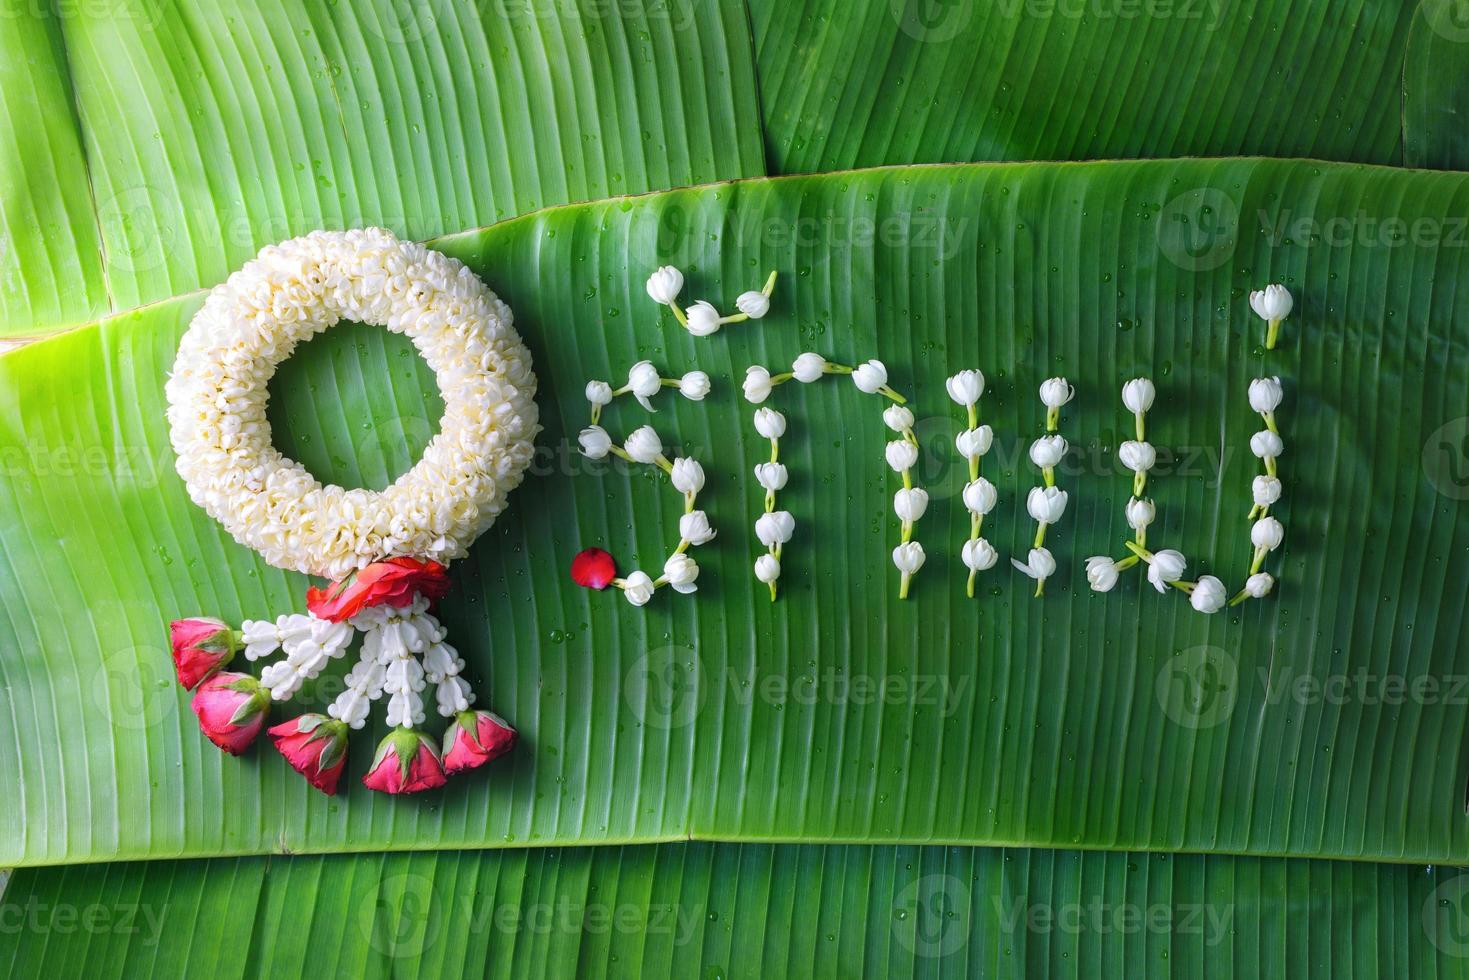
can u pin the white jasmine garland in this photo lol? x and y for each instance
(1046, 504)
(1140, 457)
(775, 528)
(1266, 444)
(753, 304)
(1265, 490)
(644, 445)
(1140, 513)
(966, 387)
(638, 588)
(901, 455)
(1258, 586)
(767, 569)
(975, 442)
(1056, 392)
(1138, 395)
(681, 572)
(599, 393)
(1266, 395)
(1208, 595)
(1272, 304)
(1047, 451)
(770, 423)
(694, 386)
(870, 377)
(1166, 567)
(899, 418)
(771, 476)
(980, 496)
(757, 384)
(910, 503)
(687, 475)
(290, 292)
(1267, 533)
(1102, 573)
(694, 528)
(643, 381)
(979, 555)
(1040, 565)
(702, 319)
(808, 367)
(664, 285)
(909, 557)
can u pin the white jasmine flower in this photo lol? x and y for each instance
(775, 528)
(753, 304)
(1137, 396)
(757, 384)
(979, 555)
(771, 476)
(703, 319)
(1040, 564)
(1140, 513)
(694, 528)
(1137, 456)
(694, 386)
(1047, 451)
(770, 423)
(1046, 504)
(901, 455)
(595, 442)
(638, 588)
(974, 443)
(898, 418)
(643, 445)
(1267, 533)
(870, 377)
(767, 568)
(1101, 573)
(909, 557)
(1166, 567)
(688, 475)
(1266, 444)
(910, 502)
(681, 571)
(1208, 595)
(643, 382)
(809, 367)
(1258, 586)
(599, 393)
(980, 496)
(1272, 303)
(1266, 490)
(665, 285)
(1056, 392)
(966, 387)
(1265, 395)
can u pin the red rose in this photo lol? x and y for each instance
(593, 569)
(200, 647)
(316, 747)
(392, 582)
(406, 762)
(475, 738)
(231, 710)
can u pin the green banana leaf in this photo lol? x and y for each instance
(737, 911)
(862, 84)
(1436, 87)
(1122, 721)
(181, 137)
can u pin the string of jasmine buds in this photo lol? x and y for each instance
(774, 527)
(966, 388)
(1267, 533)
(703, 319)
(644, 446)
(1046, 503)
(1140, 457)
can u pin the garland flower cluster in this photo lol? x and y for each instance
(703, 319)
(1167, 567)
(384, 552)
(1046, 503)
(595, 568)
(774, 528)
(980, 495)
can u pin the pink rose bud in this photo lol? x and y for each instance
(200, 647)
(231, 710)
(475, 738)
(406, 761)
(315, 746)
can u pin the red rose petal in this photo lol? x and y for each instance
(593, 569)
